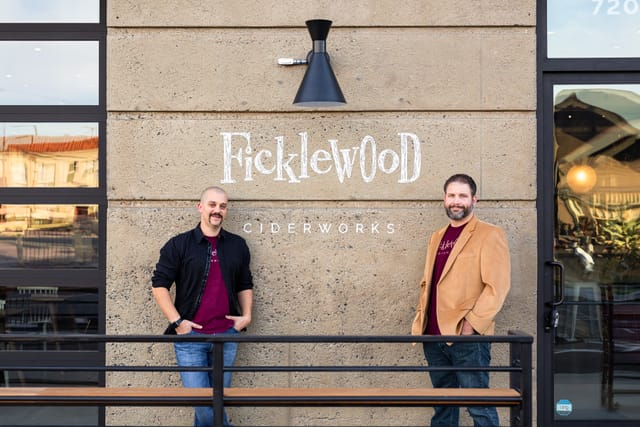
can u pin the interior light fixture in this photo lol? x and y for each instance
(581, 178)
(319, 87)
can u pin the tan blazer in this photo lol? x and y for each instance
(474, 282)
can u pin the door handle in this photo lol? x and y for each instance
(552, 318)
(558, 294)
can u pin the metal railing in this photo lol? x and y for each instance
(519, 367)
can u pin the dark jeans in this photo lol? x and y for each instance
(199, 354)
(460, 354)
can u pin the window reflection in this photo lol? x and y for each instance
(593, 28)
(48, 236)
(597, 132)
(49, 73)
(49, 155)
(50, 11)
(597, 342)
(47, 310)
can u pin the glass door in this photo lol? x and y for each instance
(592, 309)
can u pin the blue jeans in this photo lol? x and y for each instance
(199, 354)
(460, 354)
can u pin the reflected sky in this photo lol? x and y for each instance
(627, 87)
(49, 73)
(41, 11)
(49, 129)
(622, 99)
(593, 28)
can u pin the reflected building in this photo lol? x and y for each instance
(597, 134)
(48, 235)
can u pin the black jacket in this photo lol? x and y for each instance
(184, 260)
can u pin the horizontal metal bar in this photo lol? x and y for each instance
(623, 391)
(379, 368)
(326, 368)
(310, 339)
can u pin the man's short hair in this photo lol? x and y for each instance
(464, 179)
(214, 188)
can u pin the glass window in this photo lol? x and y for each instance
(593, 28)
(49, 309)
(50, 11)
(597, 240)
(48, 236)
(49, 72)
(52, 121)
(49, 155)
(44, 310)
(43, 416)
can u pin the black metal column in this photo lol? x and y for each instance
(218, 384)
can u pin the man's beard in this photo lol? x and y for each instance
(465, 212)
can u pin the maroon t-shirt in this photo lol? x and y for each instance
(214, 305)
(444, 249)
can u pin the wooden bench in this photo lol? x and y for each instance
(284, 397)
(236, 396)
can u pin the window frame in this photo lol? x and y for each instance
(599, 64)
(94, 278)
(550, 72)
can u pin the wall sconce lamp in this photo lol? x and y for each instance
(319, 87)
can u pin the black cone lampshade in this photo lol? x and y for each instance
(319, 87)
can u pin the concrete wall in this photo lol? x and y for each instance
(195, 94)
